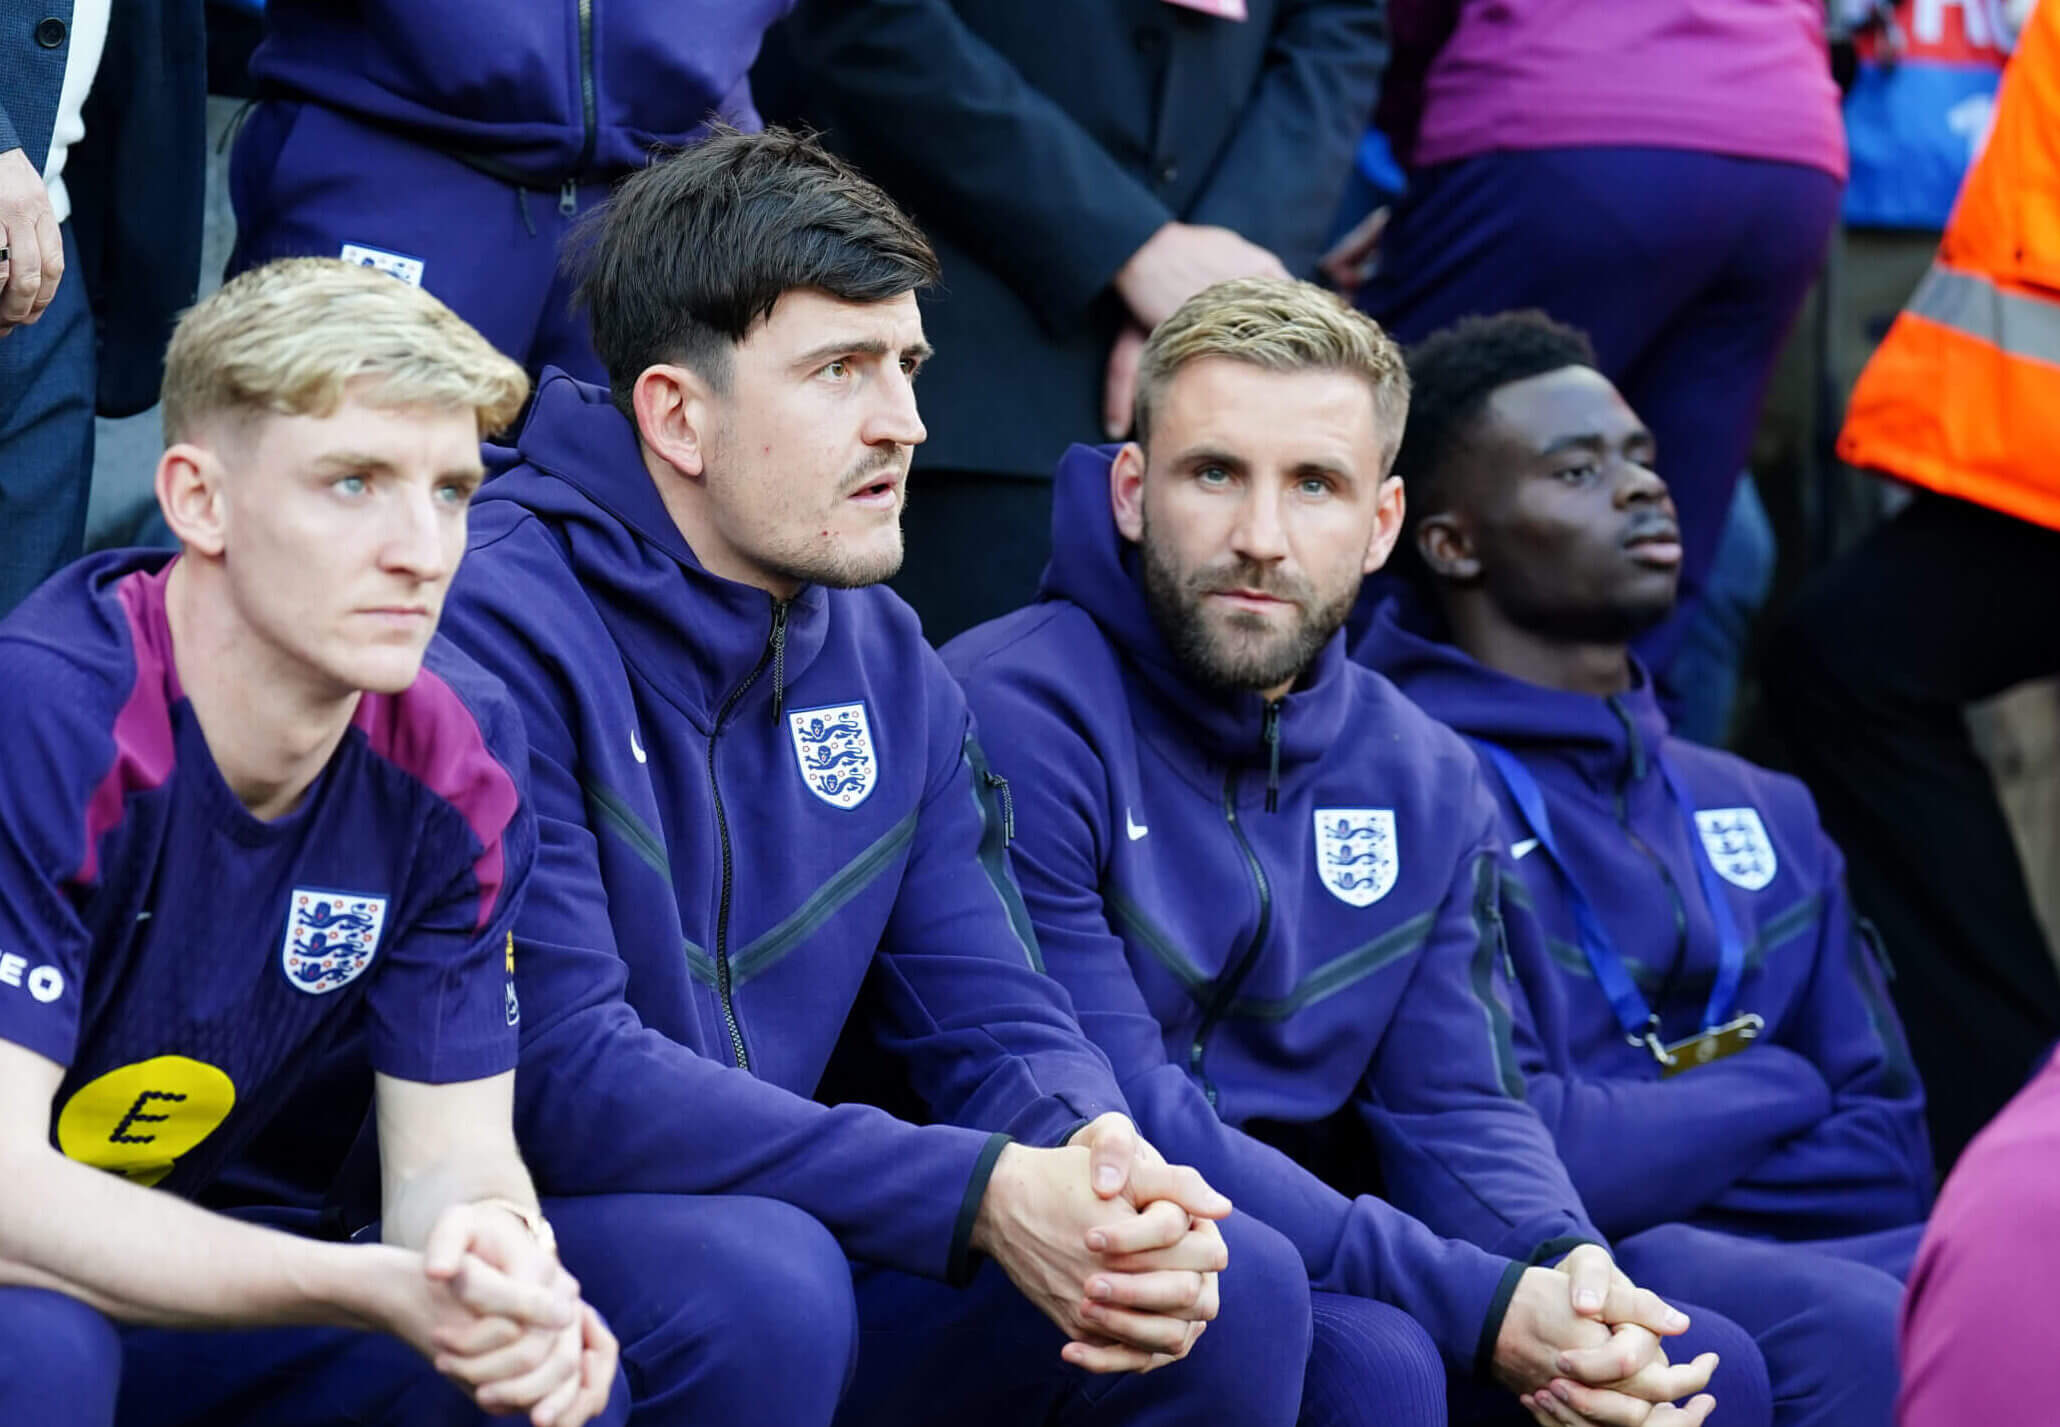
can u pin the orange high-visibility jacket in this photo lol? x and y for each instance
(1963, 396)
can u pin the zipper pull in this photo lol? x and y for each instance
(1272, 737)
(1000, 787)
(779, 652)
(568, 197)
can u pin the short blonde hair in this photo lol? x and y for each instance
(1282, 326)
(289, 337)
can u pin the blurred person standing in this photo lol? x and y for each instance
(102, 152)
(1944, 605)
(1082, 169)
(454, 145)
(1662, 175)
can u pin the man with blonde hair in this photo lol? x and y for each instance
(1270, 884)
(256, 814)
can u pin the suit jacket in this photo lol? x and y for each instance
(138, 180)
(1039, 145)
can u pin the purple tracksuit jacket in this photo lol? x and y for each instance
(539, 92)
(1281, 914)
(757, 821)
(1814, 1131)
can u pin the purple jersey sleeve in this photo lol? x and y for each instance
(442, 1007)
(76, 747)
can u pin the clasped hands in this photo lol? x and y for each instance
(1114, 1245)
(1580, 1345)
(497, 1314)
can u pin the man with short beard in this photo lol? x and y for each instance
(765, 825)
(1271, 886)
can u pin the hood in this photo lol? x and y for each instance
(1094, 567)
(1405, 638)
(577, 466)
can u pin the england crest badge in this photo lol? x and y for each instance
(833, 747)
(1738, 846)
(330, 937)
(1356, 854)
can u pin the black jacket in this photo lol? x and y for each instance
(138, 180)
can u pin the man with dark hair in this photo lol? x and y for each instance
(1269, 884)
(1710, 1005)
(765, 824)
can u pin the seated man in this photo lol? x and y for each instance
(1714, 1044)
(253, 808)
(765, 825)
(1269, 883)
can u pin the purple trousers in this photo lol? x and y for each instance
(307, 181)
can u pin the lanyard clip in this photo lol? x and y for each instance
(1651, 1041)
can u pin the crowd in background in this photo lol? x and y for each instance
(1669, 179)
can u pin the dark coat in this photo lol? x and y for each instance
(138, 180)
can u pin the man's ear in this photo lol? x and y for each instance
(189, 492)
(1446, 547)
(1391, 507)
(1126, 491)
(676, 416)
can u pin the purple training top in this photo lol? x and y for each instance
(187, 962)
(1747, 78)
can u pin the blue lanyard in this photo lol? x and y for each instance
(1632, 1013)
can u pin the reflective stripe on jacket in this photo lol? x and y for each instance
(1963, 397)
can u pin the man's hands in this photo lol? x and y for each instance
(1179, 261)
(28, 230)
(497, 1314)
(1114, 1245)
(1580, 1345)
(1174, 264)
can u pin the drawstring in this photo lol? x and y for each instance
(1272, 736)
(779, 648)
(522, 202)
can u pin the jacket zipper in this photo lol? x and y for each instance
(1636, 770)
(568, 194)
(722, 828)
(1227, 988)
(1270, 735)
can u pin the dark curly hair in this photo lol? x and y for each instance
(1452, 374)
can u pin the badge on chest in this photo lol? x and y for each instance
(330, 937)
(1356, 854)
(833, 748)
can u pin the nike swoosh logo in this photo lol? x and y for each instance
(1524, 849)
(1132, 826)
(635, 747)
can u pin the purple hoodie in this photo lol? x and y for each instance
(1290, 942)
(1814, 1131)
(543, 91)
(1743, 77)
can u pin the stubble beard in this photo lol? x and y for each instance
(1256, 661)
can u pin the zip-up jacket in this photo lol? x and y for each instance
(1281, 912)
(757, 819)
(1814, 1130)
(543, 92)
